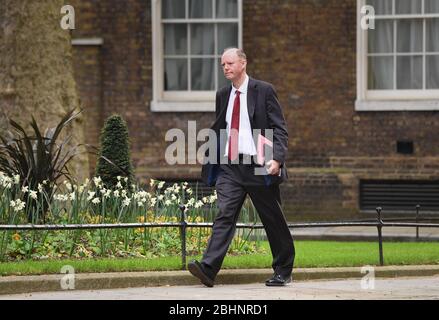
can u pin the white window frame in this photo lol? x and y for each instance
(388, 100)
(185, 101)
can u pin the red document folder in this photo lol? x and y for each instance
(260, 150)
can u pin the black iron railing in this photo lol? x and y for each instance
(183, 225)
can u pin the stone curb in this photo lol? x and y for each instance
(100, 281)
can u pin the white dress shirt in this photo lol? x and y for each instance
(246, 144)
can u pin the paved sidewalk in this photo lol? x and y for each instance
(366, 233)
(400, 288)
(103, 281)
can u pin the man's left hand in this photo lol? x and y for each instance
(273, 167)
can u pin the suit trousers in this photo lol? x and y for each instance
(232, 190)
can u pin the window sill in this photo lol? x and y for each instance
(179, 106)
(396, 105)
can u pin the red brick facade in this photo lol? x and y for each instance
(307, 50)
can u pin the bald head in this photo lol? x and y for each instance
(236, 51)
(234, 63)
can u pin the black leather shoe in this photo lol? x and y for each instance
(277, 281)
(197, 270)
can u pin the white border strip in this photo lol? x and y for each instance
(87, 42)
(395, 105)
(167, 106)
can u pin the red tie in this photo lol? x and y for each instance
(234, 129)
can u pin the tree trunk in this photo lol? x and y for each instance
(36, 73)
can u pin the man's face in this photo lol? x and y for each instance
(233, 66)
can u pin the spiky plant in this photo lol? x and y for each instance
(39, 159)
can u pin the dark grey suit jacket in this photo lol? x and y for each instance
(264, 112)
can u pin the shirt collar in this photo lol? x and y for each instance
(243, 88)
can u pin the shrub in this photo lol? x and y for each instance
(114, 154)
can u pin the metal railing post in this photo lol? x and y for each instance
(380, 236)
(417, 220)
(183, 226)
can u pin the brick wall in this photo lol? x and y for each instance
(88, 70)
(307, 49)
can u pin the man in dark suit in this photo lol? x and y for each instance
(244, 106)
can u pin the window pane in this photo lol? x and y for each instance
(409, 35)
(431, 6)
(408, 6)
(432, 37)
(409, 72)
(227, 36)
(222, 81)
(176, 74)
(203, 74)
(432, 69)
(202, 38)
(175, 38)
(173, 9)
(381, 38)
(380, 73)
(226, 8)
(381, 6)
(200, 8)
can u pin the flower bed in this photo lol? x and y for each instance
(92, 203)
